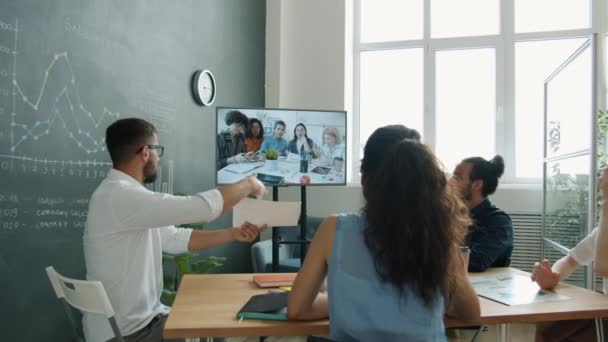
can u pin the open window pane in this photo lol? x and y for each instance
(567, 189)
(391, 90)
(569, 96)
(465, 104)
(462, 18)
(551, 15)
(390, 20)
(534, 61)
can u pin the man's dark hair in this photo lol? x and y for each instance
(379, 142)
(125, 136)
(279, 122)
(488, 171)
(238, 117)
(414, 219)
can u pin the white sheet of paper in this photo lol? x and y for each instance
(511, 289)
(270, 213)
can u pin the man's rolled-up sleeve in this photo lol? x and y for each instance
(175, 240)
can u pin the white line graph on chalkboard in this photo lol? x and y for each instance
(81, 137)
(66, 108)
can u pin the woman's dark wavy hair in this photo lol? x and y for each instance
(488, 171)
(415, 220)
(248, 133)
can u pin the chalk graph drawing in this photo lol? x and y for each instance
(67, 116)
(56, 118)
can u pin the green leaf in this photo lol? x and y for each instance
(182, 261)
(168, 282)
(168, 296)
(207, 265)
(271, 154)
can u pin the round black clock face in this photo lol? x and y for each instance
(204, 87)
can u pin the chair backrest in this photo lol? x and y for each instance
(85, 295)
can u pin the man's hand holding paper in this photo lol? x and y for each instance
(247, 232)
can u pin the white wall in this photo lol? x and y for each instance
(308, 54)
(305, 67)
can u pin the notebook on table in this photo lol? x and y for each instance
(270, 306)
(274, 280)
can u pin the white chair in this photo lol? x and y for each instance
(86, 296)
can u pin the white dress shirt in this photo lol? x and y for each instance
(584, 253)
(127, 229)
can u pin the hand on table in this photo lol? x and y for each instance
(544, 276)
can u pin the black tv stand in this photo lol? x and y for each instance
(301, 240)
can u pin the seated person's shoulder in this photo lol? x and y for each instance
(500, 216)
(494, 214)
(329, 223)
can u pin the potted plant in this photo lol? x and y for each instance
(271, 157)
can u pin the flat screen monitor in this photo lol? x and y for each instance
(282, 147)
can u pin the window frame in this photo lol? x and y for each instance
(504, 43)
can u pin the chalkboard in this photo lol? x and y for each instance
(68, 68)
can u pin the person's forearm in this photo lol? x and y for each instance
(205, 239)
(601, 243)
(464, 303)
(565, 267)
(234, 193)
(318, 310)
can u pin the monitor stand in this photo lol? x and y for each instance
(301, 240)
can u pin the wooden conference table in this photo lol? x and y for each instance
(206, 306)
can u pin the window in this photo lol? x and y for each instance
(465, 104)
(464, 18)
(467, 74)
(387, 20)
(569, 104)
(392, 83)
(551, 15)
(534, 61)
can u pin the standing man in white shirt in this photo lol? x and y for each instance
(128, 227)
(593, 248)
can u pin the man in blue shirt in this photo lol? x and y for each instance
(490, 237)
(276, 141)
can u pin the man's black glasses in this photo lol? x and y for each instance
(159, 148)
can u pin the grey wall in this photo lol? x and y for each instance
(70, 67)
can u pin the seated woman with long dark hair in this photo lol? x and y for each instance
(301, 144)
(394, 267)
